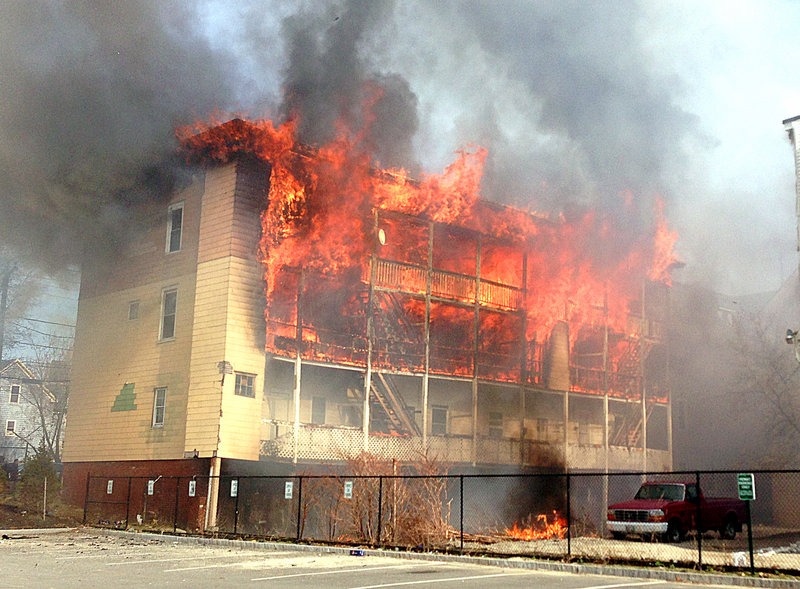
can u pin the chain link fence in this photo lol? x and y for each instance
(574, 516)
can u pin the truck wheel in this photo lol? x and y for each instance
(674, 533)
(618, 535)
(728, 529)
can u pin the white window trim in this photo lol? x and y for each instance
(10, 431)
(156, 391)
(171, 208)
(245, 374)
(11, 394)
(164, 291)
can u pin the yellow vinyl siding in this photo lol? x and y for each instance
(229, 323)
(113, 350)
(220, 312)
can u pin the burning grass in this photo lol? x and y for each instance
(539, 527)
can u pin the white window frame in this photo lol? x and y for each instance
(18, 389)
(162, 316)
(168, 247)
(159, 403)
(11, 427)
(133, 310)
(238, 388)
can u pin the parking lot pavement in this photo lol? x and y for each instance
(91, 558)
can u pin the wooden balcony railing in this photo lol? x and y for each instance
(447, 285)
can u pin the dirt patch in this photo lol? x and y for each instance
(12, 518)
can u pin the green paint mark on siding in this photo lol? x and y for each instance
(125, 399)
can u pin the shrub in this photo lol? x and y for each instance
(30, 488)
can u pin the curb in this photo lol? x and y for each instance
(27, 531)
(514, 562)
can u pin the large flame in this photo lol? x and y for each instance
(319, 238)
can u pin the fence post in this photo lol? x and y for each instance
(236, 507)
(128, 503)
(699, 523)
(86, 497)
(175, 512)
(750, 535)
(461, 511)
(569, 520)
(380, 507)
(299, 503)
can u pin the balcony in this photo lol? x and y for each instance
(447, 285)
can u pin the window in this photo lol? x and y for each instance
(495, 424)
(159, 402)
(318, 408)
(174, 227)
(169, 304)
(133, 310)
(14, 393)
(11, 427)
(244, 384)
(438, 420)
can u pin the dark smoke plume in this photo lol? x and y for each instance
(90, 96)
(570, 99)
(328, 79)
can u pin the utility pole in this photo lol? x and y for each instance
(4, 304)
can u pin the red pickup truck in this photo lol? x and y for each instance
(671, 509)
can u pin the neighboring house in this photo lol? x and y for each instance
(21, 396)
(176, 370)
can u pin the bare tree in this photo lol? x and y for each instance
(769, 377)
(49, 399)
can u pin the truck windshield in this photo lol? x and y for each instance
(670, 492)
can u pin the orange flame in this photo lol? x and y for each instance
(540, 529)
(319, 216)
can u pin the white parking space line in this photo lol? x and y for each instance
(111, 564)
(228, 564)
(339, 571)
(638, 584)
(443, 580)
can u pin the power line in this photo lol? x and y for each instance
(25, 344)
(43, 321)
(48, 334)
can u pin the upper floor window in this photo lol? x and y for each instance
(495, 424)
(174, 227)
(438, 420)
(318, 409)
(159, 403)
(169, 307)
(244, 384)
(11, 427)
(133, 310)
(14, 393)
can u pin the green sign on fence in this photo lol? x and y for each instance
(747, 486)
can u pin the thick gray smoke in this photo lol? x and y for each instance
(90, 96)
(580, 104)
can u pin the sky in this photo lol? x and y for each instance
(581, 104)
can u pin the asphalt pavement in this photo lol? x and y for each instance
(87, 557)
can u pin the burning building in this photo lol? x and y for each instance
(297, 306)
